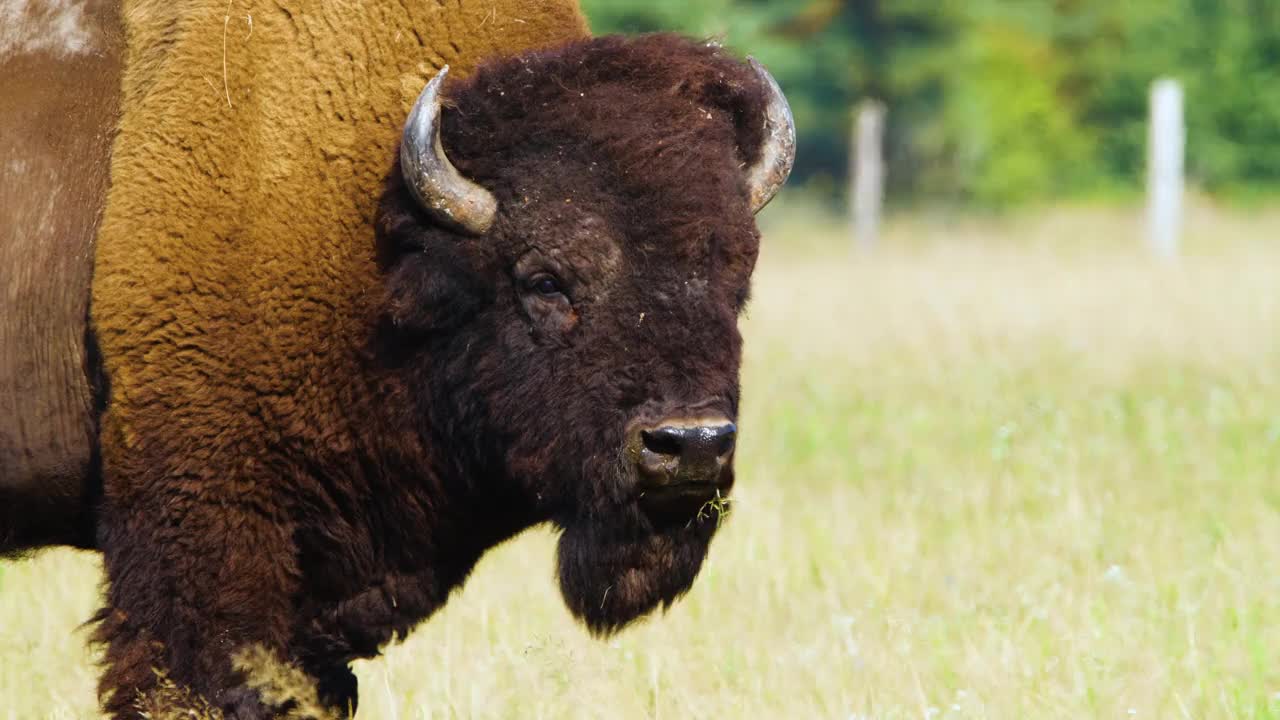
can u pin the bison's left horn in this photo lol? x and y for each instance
(778, 153)
(435, 183)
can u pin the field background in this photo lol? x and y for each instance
(998, 469)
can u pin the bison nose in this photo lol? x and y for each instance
(679, 452)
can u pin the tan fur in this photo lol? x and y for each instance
(235, 267)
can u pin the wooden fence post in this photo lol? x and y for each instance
(1165, 157)
(867, 174)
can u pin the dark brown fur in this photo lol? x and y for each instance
(321, 515)
(624, 172)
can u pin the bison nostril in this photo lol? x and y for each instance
(663, 440)
(728, 438)
(691, 451)
(683, 462)
(710, 442)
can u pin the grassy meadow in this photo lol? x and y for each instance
(997, 469)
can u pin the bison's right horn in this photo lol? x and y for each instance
(778, 153)
(435, 183)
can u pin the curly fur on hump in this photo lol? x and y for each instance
(324, 408)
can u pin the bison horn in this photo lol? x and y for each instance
(778, 153)
(435, 183)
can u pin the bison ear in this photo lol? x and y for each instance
(433, 290)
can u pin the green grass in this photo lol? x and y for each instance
(999, 470)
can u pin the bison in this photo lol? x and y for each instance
(343, 337)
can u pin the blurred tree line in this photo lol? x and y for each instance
(1004, 102)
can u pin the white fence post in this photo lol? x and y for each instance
(867, 187)
(1165, 160)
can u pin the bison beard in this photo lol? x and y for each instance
(617, 567)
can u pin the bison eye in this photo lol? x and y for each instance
(545, 285)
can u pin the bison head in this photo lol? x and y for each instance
(568, 243)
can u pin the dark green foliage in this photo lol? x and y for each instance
(1001, 103)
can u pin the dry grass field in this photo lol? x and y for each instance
(1005, 469)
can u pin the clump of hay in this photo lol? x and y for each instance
(170, 701)
(279, 684)
(282, 685)
(717, 507)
